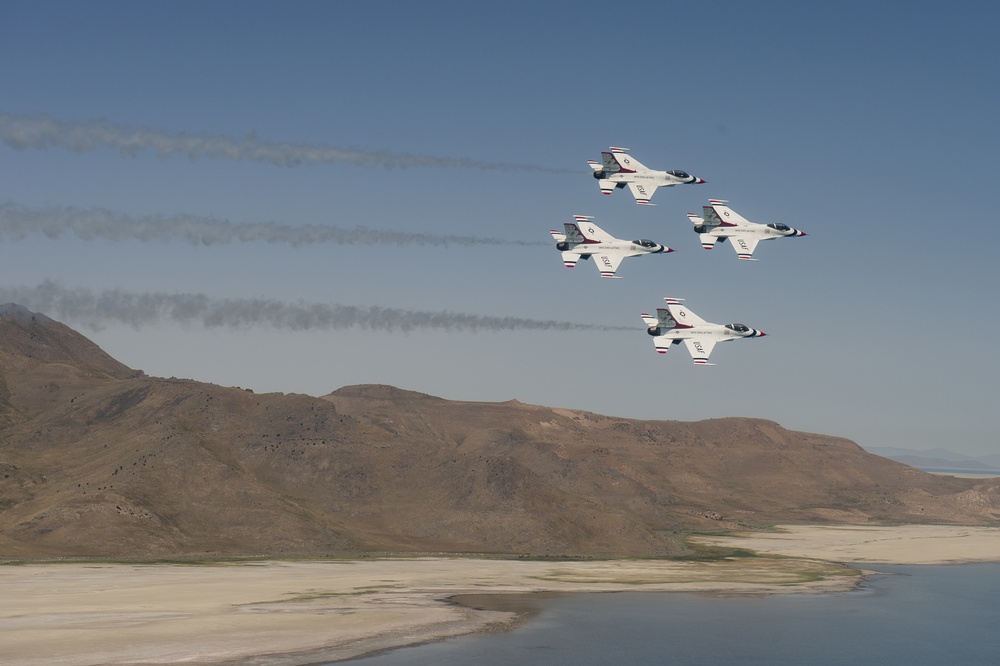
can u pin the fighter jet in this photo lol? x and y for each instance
(584, 239)
(722, 222)
(675, 323)
(618, 169)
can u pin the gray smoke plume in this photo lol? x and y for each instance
(97, 310)
(17, 222)
(39, 132)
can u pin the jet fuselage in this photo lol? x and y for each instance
(719, 332)
(629, 248)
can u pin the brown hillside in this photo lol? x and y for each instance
(45, 357)
(28, 335)
(99, 460)
(679, 475)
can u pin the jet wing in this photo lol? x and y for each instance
(608, 263)
(662, 344)
(625, 162)
(708, 240)
(570, 259)
(642, 193)
(683, 317)
(726, 215)
(744, 246)
(726, 218)
(700, 350)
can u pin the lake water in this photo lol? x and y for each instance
(912, 616)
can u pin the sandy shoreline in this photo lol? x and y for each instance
(306, 612)
(906, 544)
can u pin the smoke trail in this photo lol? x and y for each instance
(40, 132)
(96, 311)
(17, 222)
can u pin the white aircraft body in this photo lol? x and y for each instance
(619, 169)
(675, 324)
(721, 222)
(584, 239)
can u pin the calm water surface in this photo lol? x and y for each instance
(913, 616)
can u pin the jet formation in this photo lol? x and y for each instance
(675, 324)
(721, 222)
(618, 169)
(583, 239)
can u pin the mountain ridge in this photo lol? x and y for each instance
(99, 460)
(939, 459)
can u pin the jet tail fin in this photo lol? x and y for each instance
(664, 319)
(609, 164)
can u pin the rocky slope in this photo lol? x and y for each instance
(97, 459)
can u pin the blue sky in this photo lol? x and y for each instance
(871, 126)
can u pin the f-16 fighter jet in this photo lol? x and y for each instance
(618, 169)
(722, 222)
(584, 239)
(675, 324)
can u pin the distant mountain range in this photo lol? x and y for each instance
(939, 459)
(100, 460)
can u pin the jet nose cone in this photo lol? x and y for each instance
(761, 334)
(799, 233)
(666, 249)
(699, 181)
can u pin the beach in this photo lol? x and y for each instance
(858, 544)
(314, 611)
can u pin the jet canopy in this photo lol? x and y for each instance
(678, 173)
(779, 226)
(645, 243)
(739, 328)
